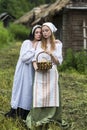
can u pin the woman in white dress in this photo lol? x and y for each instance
(21, 100)
(46, 97)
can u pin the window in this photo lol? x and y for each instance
(85, 33)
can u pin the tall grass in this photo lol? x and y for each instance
(73, 95)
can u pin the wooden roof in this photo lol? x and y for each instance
(51, 10)
(41, 12)
(31, 15)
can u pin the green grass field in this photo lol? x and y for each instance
(73, 94)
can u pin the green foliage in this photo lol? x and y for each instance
(5, 36)
(69, 57)
(9, 55)
(69, 60)
(14, 31)
(73, 95)
(19, 31)
(75, 60)
(17, 8)
(81, 61)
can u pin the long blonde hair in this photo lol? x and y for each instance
(52, 42)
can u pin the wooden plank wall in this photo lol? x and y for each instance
(73, 29)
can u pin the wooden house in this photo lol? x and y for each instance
(6, 18)
(69, 16)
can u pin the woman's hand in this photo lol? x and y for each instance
(49, 52)
(53, 58)
(35, 65)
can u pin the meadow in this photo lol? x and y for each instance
(73, 94)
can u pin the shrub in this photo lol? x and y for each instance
(4, 35)
(75, 61)
(81, 61)
(19, 31)
(69, 60)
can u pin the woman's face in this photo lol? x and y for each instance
(46, 32)
(37, 34)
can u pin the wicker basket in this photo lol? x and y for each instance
(44, 65)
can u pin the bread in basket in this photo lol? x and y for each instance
(44, 63)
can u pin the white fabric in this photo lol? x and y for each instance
(57, 52)
(23, 78)
(36, 26)
(51, 26)
(46, 89)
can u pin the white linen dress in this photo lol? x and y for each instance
(46, 93)
(23, 78)
(46, 90)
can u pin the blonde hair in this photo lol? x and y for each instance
(52, 42)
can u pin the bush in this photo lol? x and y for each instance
(19, 31)
(69, 60)
(81, 61)
(75, 61)
(4, 35)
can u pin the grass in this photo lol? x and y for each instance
(73, 94)
(74, 100)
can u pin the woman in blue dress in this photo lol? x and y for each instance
(21, 99)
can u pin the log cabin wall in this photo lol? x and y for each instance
(57, 20)
(73, 29)
(66, 31)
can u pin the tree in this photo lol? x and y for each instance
(17, 8)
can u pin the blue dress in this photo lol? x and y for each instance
(23, 78)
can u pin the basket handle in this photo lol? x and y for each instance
(39, 54)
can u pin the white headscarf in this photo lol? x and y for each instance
(36, 26)
(51, 26)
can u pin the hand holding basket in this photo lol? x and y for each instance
(44, 64)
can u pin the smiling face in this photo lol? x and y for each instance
(46, 32)
(37, 34)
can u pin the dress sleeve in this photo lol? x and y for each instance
(27, 52)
